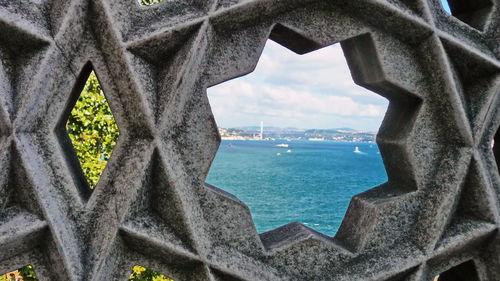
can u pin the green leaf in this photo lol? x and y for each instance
(92, 130)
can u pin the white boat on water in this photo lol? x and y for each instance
(282, 145)
(278, 154)
(356, 150)
(289, 151)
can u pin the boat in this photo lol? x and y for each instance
(356, 150)
(282, 145)
(289, 151)
(278, 154)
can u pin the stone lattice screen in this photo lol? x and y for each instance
(438, 211)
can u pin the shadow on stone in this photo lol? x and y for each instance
(463, 272)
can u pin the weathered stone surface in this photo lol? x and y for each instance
(439, 209)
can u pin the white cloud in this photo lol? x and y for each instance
(325, 67)
(313, 90)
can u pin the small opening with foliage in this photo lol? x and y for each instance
(140, 273)
(26, 273)
(463, 272)
(146, 3)
(472, 12)
(92, 130)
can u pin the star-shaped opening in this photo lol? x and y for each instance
(304, 163)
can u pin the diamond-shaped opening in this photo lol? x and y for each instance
(315, 148)
(463, 272)
(88, 131)
(146, 3)
(140, 273)
(26, 273)
(473, 12)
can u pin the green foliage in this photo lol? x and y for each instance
(93, 130)
(149, 2)
(27, 273)
(140, 273)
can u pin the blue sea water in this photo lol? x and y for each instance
(312, 184)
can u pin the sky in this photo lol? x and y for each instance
(446, 7)
(308, 91)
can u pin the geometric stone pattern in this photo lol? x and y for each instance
(439, 208)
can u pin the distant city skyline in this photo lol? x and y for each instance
(265, 128)
(314, 90)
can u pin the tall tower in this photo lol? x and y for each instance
(261, 130)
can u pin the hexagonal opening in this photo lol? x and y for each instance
(26, 273)
(146, 3)
(472, 12)
(140, 273)
(88, 131)
(463, 272)
(304, 163)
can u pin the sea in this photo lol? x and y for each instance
(311, 182)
